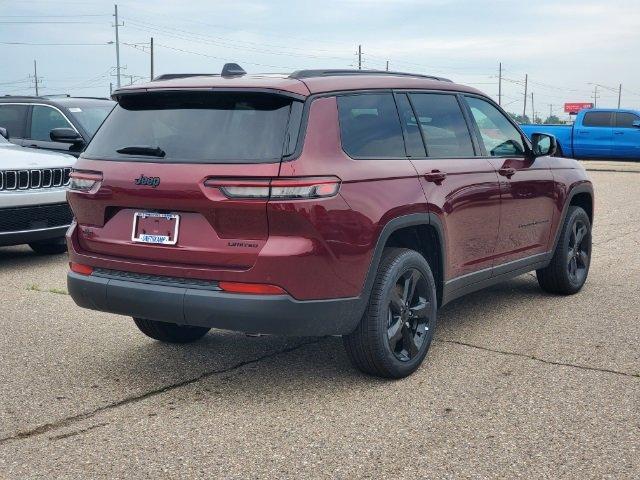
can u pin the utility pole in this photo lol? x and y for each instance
(110, 88)
(117, 46)
(500, 83)
(359, 57)
(533, 110)
(387, 66)
(619, 95)
(151, 58)
(35, 76)
(595, 96)
(550, 110)
(524, 109)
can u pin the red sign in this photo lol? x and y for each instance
(573, 108)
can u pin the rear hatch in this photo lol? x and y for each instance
(169, 163)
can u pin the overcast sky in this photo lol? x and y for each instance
(565, 46)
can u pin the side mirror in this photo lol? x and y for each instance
(636, 123)
(4, 132)
(65, 135)
(543, 144)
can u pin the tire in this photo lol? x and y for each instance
(569, 267)
(170, 332)
(50, 247)
(392, 340)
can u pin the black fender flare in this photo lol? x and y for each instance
(583, 187)
(389, 228)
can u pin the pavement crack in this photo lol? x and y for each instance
(538, 359)
(68, 421)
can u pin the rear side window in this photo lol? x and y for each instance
(43, 120)
(444, 128)
(625, 120)
(202, 127)
(597, 119)
(499, 136)
(370, 127)
(13, 117)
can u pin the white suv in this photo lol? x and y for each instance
(33, 207)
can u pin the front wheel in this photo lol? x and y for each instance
(567, 272)
(170, 332)
(395, 332)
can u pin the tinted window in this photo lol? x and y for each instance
(625, 120)
(43, 120)
(91, 117)
(597, 119)
(443, 125)
(500, 137)
(370, 126)
(412, 136)
(200, 127)
(12, 117)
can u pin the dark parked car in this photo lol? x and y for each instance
(349, 203)
(62, 124)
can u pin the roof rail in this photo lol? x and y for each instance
(172, 76)
(298, 74)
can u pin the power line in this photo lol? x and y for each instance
(56, 44)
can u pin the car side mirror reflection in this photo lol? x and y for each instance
(65, 135)
(543, 144)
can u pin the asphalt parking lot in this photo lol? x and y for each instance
(518, 383)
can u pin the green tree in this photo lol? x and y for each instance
(552, 119)
(520, 118)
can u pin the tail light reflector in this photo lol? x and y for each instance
(80, 268)
(253, 288)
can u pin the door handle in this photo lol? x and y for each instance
(435, 176)
(507, 172)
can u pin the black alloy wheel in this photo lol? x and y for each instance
(409, 315)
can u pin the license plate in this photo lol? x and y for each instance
(155, 228)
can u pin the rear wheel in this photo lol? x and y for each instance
(50, 247)
(395, 332)
(569, 267)
(170, 332)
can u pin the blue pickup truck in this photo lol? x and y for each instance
(596, 133)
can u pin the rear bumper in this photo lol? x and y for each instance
(207, 306)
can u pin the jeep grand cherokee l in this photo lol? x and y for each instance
(324, 202)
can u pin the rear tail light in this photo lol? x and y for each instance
(83, 181)
(252, 288)
(80, 268)
(277, 188)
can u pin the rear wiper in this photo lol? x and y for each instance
(142, 150)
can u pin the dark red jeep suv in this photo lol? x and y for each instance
(324, 202)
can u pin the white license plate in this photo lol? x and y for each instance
(155, 228)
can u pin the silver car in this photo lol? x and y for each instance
(33, 207)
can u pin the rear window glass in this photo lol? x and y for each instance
(443, 125)
(625, 120)
(12, 117)
(200, 127)
(370, 126)
(597, 119)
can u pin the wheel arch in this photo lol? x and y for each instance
(580, 195)
(422, 232)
